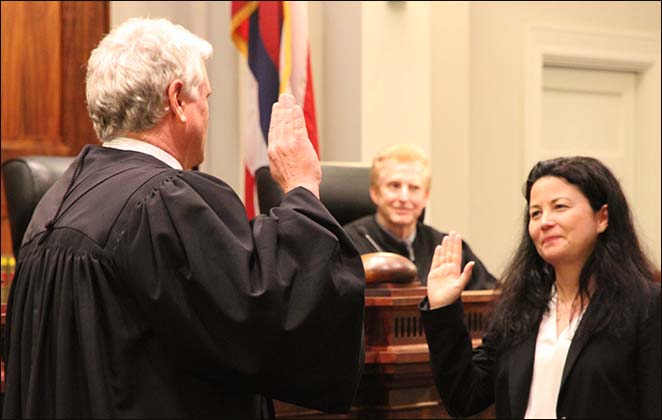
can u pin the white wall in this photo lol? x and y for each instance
(447, 76)
(340, 139)
(395, 75)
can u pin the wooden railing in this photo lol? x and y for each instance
(397, 380)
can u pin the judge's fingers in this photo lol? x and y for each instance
(299, 124)
(274, 123)
(280, 128)
(286, 100)
(287, 125)
(278, 121)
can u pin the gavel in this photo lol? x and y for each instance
(388, 267)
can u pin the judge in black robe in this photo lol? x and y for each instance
(400, 178)
(366, 229)
(151, 295)
(142, 290)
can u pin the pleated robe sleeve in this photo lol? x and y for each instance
(274, 306)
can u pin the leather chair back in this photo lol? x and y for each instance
(344, 190)
(27, 179)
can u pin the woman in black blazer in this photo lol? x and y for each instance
(576, 331)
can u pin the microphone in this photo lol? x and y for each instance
(364, 232)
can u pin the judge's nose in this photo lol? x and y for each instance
(403, 193)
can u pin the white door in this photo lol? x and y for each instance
(592, 113)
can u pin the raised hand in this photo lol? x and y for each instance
(292, 158)
(446, 280)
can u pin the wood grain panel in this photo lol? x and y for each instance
(81, 21)
(45, 47)
(31, 86)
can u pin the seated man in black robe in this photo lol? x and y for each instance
(400, 188)
(142, 290)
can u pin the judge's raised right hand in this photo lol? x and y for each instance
(292, 158)
(445, 280)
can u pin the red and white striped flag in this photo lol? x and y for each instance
(273, 37)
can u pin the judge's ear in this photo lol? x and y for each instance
(175, 100)
(374, 194)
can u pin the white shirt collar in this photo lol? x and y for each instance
(126, 143)
(409, 240)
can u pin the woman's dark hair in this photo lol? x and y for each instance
(620, 269)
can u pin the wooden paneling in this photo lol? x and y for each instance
(31, 86)
(397, 381)
(45, 47)
(83, 25)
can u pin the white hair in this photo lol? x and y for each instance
(403, 153)
(129, 72)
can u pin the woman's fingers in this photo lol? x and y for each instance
(457, 251)
(466, 273)
(436, 258)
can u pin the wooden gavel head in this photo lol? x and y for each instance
(388, 267)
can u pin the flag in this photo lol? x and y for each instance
(273, 37)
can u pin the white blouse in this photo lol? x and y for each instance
(548, 364)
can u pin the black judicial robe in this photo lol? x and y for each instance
(151, 295)
(427, 238)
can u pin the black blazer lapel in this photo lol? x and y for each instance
(576, 347)
(521, 372)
